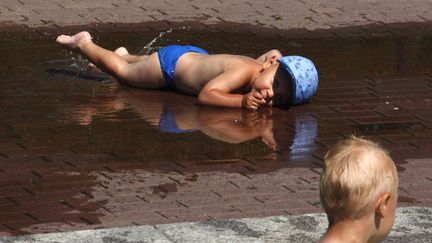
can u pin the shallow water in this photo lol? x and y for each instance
(49, 99)
(61, 122)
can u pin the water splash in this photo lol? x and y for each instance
(147, 49)
(79, 62)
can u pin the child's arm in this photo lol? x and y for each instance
(217, 92)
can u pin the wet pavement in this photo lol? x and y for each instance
(80, 152)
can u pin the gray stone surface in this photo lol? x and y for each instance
(413, 224)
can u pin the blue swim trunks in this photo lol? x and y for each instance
(167, 122)
(168, 57)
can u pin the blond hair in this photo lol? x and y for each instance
(356, 171)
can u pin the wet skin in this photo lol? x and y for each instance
(213, 78)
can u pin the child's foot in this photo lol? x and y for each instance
(121, 51)
(74, 42)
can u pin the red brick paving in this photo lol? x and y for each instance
(291, 14)
(57, 176)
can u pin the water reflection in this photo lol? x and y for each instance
(179, 115)
(226, 125)
(306, 130)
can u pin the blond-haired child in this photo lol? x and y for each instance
(358, 191)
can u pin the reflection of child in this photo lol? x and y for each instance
(358, 192)
(168, 123)
(217, 80)
(231, 126)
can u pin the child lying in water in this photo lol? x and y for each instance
(218, 80)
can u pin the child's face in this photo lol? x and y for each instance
(273, 83)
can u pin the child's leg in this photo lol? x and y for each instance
(124, 54)
(146, 73)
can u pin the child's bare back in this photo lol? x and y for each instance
(194, 71)
(218, 80)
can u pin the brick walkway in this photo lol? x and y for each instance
(58, 176)
(275, 14)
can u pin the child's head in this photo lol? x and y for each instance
(359, 181)
(293, 80)
(303, 77)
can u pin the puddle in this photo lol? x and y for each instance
(402, 199)
(162, 190)
(54, 90)
(58, 117)
(385, 126)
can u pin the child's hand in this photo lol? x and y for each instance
(267, 95)
(253, 100)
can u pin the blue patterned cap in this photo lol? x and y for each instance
(304, 76)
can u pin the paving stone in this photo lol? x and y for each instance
(86, 179)
(310, 15)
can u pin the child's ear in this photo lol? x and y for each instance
(270, 61)
(266, 64)
(273, 59)
(382, 205)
